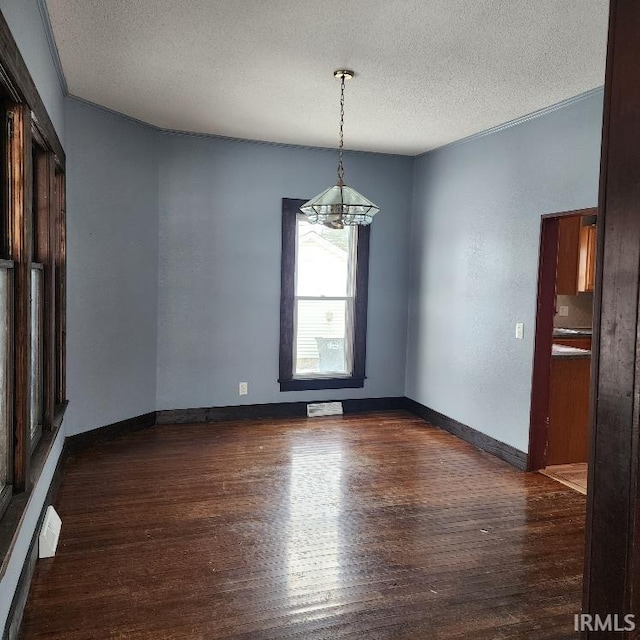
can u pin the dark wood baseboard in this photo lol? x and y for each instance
(14, 619)
(272, 410)
(109, 432)
(480, 440)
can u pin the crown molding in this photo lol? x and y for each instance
(53, 47)
(520, 120)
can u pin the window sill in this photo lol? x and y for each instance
(12, 518)
(310, 384)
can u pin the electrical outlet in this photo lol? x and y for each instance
(243, 389)
(563, 311)
(519, 330)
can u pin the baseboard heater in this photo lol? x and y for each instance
(324, 409)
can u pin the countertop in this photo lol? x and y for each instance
(560, 351)
(579, 332)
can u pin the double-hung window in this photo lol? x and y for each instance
(323, 306)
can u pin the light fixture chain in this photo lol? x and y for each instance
(340, 165)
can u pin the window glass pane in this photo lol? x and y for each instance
(322, 257)
(36, 350)
(323, 339)
(4, 382)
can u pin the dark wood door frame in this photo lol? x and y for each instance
(612, 555)
(545, 312)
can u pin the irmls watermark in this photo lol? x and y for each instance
(608, 622)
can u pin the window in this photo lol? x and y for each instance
(32, 287)
(32, 300)
(323, 303)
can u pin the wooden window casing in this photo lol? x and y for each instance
(288, 381)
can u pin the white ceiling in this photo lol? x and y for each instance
(429, 72)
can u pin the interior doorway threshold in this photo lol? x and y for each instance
(571, 475)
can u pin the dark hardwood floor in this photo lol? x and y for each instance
(372, 526)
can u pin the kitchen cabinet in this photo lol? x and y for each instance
(576, 267)
(568, 435)
(568, 255)
(578, 343)
(587, 259)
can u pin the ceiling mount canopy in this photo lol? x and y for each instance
(341, 204)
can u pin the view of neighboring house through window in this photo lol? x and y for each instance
(323, 303)
(325, 288)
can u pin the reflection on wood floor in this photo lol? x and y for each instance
(372, 526)
(571, 475)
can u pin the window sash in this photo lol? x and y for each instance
(348, 298)
(352, 260)
(348, 338)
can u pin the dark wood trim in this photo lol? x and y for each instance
(361, 303)
(290, 209)
(58, 413)
(310, 384)
(60, 259)
(612, 556)
(540, 385)
(8, 266)
(45, 239)
(589, 211)
(5, 220)
(14, 619)
(270, 410)
(21, 254)
(479, 440)
(81, 441)
(363, 405)
(18, 81)
(6, 493)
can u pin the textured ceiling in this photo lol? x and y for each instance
(429, 72)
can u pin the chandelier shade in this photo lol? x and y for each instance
(341, 204)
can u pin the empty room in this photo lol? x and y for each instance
(319, 320)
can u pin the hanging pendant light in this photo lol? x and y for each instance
(341, 204)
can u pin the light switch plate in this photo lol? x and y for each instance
(519, 330)
(563, 311)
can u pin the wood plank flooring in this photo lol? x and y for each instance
(372, 526)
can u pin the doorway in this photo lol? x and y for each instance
(561, 383)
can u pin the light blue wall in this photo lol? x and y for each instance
(25, 22)
(112, 272)
(475, 242)
(219, 284)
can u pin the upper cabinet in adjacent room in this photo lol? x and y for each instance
(568, 255)
(576, 255)
(587, 258)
